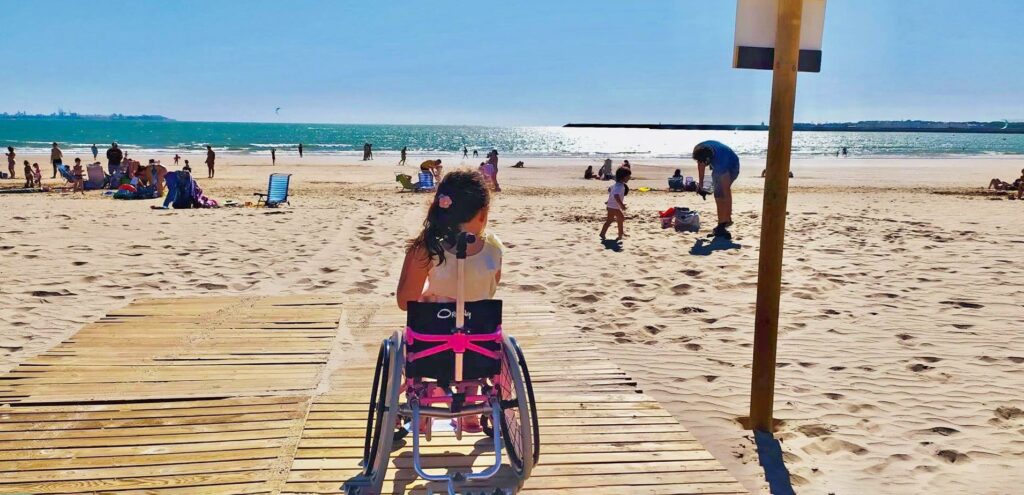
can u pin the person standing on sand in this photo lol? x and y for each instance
(273, 156)
(615, 205)
(95, 151)
(210, 158)
(492, 160)
(300, 150)
(402, 161)
(725, 169)
(28, 174)
(10, 160)
(476, 153)
(465, 152)
(177, 158)
(369, 150)
(114, 157)
(56, 158)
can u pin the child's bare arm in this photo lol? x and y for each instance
(619, 200)
(414, 275)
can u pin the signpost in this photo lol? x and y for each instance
(773, 34)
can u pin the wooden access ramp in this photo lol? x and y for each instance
(268, 395)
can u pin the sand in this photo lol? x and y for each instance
(901, 359)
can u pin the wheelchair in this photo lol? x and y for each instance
(452, 362)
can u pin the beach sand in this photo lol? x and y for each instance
(901, 358)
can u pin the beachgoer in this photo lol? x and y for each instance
(679, 173)
(10, 160)
(366, 151)
(114, 157)
(28, 174)
(465, 152)
(615, 205)
(79, 174)
(369, 151)
(177, 158)
(519, 164)
(589, 173)
(432, 166)
(210, 158)
(56, 158)
(273, 156)
(725, 169)
(605, 173)
(845, 151)
(492, 159)
(476, 153)
(402, 161)
(187, 167)
(37, 175)
(430, 271)
(300, 150)
(625, 164)
(95, 151)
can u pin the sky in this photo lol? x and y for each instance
(528, 62)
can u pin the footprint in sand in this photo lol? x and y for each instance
(963, 304)
(211, 286)
(953, 457)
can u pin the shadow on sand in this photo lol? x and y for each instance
(612, 244)
(769, 453)
(704, 248)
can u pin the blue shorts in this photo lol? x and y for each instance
(718, 174)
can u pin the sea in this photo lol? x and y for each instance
(163, 137)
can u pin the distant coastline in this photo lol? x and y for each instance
(62, 115)
(1000, 127)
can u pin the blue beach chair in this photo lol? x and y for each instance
(426, 182)
(277, 191)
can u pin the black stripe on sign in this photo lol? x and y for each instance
(753, 57)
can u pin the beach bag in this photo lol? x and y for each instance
(686, 220)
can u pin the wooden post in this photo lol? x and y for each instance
(773, 216)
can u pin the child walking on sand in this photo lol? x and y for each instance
(430, 272)
(616, 206)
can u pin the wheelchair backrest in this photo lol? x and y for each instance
(430, 338)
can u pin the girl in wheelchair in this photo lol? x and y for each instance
(429, 273)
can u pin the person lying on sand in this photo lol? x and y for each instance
(1000, 185)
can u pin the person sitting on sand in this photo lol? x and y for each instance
(430, 272)
(28, 174)
(79, 174)
(606, 170)
(432, 166)
(589, 173)
(615, 204)
(37, 175)
(519, 164)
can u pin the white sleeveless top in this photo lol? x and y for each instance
(480, 278)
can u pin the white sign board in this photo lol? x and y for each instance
(756, 21)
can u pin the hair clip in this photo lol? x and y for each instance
(443, 201)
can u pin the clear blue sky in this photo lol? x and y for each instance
(520, 62)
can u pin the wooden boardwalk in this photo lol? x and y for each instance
(268, 395)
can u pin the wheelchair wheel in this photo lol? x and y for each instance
(519, 426)
(381, 420)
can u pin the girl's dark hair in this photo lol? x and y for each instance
(622, 173)
(703, 154)
(468, 193)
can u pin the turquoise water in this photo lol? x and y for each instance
(168, 137)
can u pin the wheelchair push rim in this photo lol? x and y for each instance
(383, 414)
(518, 411)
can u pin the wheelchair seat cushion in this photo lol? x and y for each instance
(432, 320)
